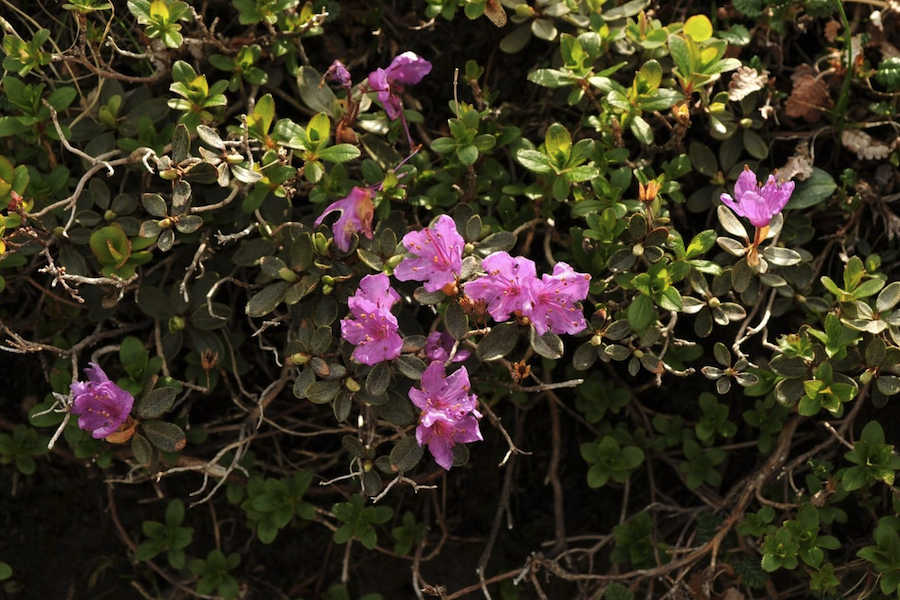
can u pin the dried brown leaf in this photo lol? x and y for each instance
(799, 166)
(865, 146)
(832, 28)
(744, 82)
(808, 100)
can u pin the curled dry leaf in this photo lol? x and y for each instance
(865, 146)
(832, 28)
(809, 99)
(799, 166)
(744, 82)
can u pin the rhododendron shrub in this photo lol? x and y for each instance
(556, 299)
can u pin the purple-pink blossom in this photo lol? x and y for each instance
(406, 69)
(438, 347)
(507, 286)
(555, 299)
(441, 436)
(758, 203)
(100, 404)
(374, 293)
(357, 211)
(437, 255)
(449, 416)
(372, 328)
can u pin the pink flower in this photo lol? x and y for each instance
(506, 287)
(758, 203)
(372, 328)
(374, 293)
(102, 406)
(448, 416)
(406, 69)
(554, 305)
(356, 211)
(438, 347)
(437, 254)
(444, 397)
(441, 436)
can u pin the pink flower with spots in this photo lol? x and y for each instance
(758, 203)
(100, 404)
(437, 255)
(374, 293)
(507, 286)
(372, 328)
(555, 298)
(448, 409)
(406, 69)
(357, 211)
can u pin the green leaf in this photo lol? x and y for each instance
(698, 28)
(816, 189)
(534, 161)
(558, 143)
(498, 342)
(156, 403)
(267, 299)
(168, 437)
(641, 313)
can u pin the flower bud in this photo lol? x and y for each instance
(469, 248)
(169, 174)
(286, 274)
(299, 358)
(866, 377)
(352, 385)
(177, 323)
(109, 215)
(327, 289)
(638, 250)
(596, 340)
(327, 280)
(395, 260)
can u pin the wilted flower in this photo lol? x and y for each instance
(759, 203)
(555, 300)
(438, 255)
(100, 404)
(438, 347)
(506, 287)
(338, 72)
(372, 328)
(448, 412)
(406, 69)
(356, 211)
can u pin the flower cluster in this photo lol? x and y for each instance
(511, 286)
(100, 404)
(448, 409)
(757, 202)
(372, 328)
